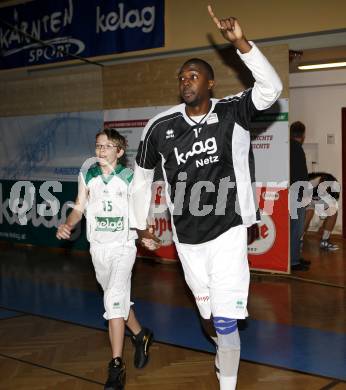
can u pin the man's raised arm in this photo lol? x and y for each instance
(268, 86)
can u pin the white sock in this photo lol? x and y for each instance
(228, 382)
(326, 235)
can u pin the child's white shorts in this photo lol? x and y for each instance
(113, 267)
(217, 273)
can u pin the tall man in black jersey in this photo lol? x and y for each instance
(203, 145)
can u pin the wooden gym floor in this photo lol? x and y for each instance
(52, 335)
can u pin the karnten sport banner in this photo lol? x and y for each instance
(45, 32)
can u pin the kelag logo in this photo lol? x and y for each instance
(209, 146)
(109, 224)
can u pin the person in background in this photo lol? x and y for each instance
(298, 173)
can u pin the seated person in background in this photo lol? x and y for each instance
(326, 192)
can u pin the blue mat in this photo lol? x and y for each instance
(292, 347)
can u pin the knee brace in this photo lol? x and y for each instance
(228, 351)
(224, 325)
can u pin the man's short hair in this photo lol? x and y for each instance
(208, 68)
(297, 129)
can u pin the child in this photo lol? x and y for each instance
(103, 196)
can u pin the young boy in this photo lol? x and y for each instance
(103, 196)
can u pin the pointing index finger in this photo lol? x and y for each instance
(212, 15)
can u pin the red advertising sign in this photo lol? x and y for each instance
(270, 251)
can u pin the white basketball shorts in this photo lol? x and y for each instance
(217, 273)
(113, 267)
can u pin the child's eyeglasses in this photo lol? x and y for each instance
(106, 147)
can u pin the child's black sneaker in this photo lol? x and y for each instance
(116, 375)
(142, 343)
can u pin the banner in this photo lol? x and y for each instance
(270, 252)
(47, 147)
(40, 159)
(270, 144)
(44, 32)
(48, 204)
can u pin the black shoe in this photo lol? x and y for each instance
(304, 262)
(116, 375)
(142, 342)
(299, 267)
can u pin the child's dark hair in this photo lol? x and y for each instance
(113, 135)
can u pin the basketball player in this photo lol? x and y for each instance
(203, 145)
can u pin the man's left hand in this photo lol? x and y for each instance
(231, 31)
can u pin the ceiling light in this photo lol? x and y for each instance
(322, 66)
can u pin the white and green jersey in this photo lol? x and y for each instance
(107, 209)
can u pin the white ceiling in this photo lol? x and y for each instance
(312, 41)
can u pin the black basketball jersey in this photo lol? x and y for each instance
(208, 167)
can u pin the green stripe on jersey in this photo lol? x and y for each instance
(123, 173)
